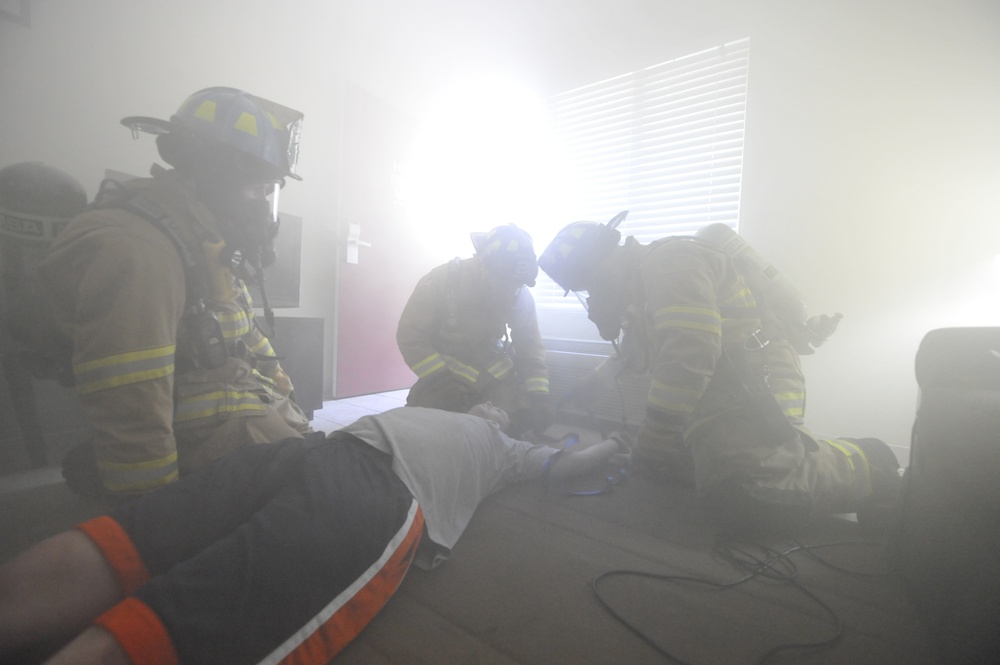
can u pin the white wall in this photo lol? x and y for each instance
(67, 81)
(871, 150)
(871, 176)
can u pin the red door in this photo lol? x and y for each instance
(382, 261)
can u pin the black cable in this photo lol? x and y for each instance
(768, 563)
(268, 312)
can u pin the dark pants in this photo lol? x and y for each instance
(271, 547)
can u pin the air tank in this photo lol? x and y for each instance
(36, 202)
(762, 277)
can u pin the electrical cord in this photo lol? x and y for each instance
(753, 560)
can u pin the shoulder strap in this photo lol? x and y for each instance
(451, 293)
(142, 207)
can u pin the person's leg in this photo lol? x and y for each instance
(57, 588)
(306, 571)
(749, 476)
(53, 591)
(94, 646)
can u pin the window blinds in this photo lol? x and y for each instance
(664, 143)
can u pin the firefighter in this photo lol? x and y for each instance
(470, 333)
(169, 361)
(726, 404)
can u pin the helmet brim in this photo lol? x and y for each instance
(158, 127)
(145, 124)
(478, 240)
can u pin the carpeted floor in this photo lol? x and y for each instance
(519, 588)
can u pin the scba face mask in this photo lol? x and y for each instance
(248, 216)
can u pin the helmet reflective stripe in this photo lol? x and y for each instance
(246, 122)
(242, 121)
(258, 127)
(495, 244)
(206, 111)
(577, 249)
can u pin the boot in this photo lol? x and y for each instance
(79, 469)
(879, 514)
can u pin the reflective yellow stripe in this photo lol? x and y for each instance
(850, 450)
(741, 297)
(234, 324)
(864, 460)
(792, 404)
(205, 111)
(247, 122)
(656, 426)
(428, 365)
(694, 318)
(672, 398)
(847, 453)
(461, 370)
(263, 348)
(537, 384)
(208, 405)
(501, 368)
(274, 121)
(123, 369)
(138, 476)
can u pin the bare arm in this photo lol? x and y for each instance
(570, 463)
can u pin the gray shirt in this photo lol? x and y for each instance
(450, 462)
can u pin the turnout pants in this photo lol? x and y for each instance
(750, 477)
(277, 553)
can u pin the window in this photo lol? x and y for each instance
(664, 143)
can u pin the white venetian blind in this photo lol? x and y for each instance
(664, 143)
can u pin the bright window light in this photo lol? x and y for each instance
(482, 158)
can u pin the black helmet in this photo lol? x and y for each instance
(266, 132)
(507, 251)
(37, 200)
(577, 249)
(229, 142)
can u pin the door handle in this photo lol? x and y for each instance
(354, 242)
